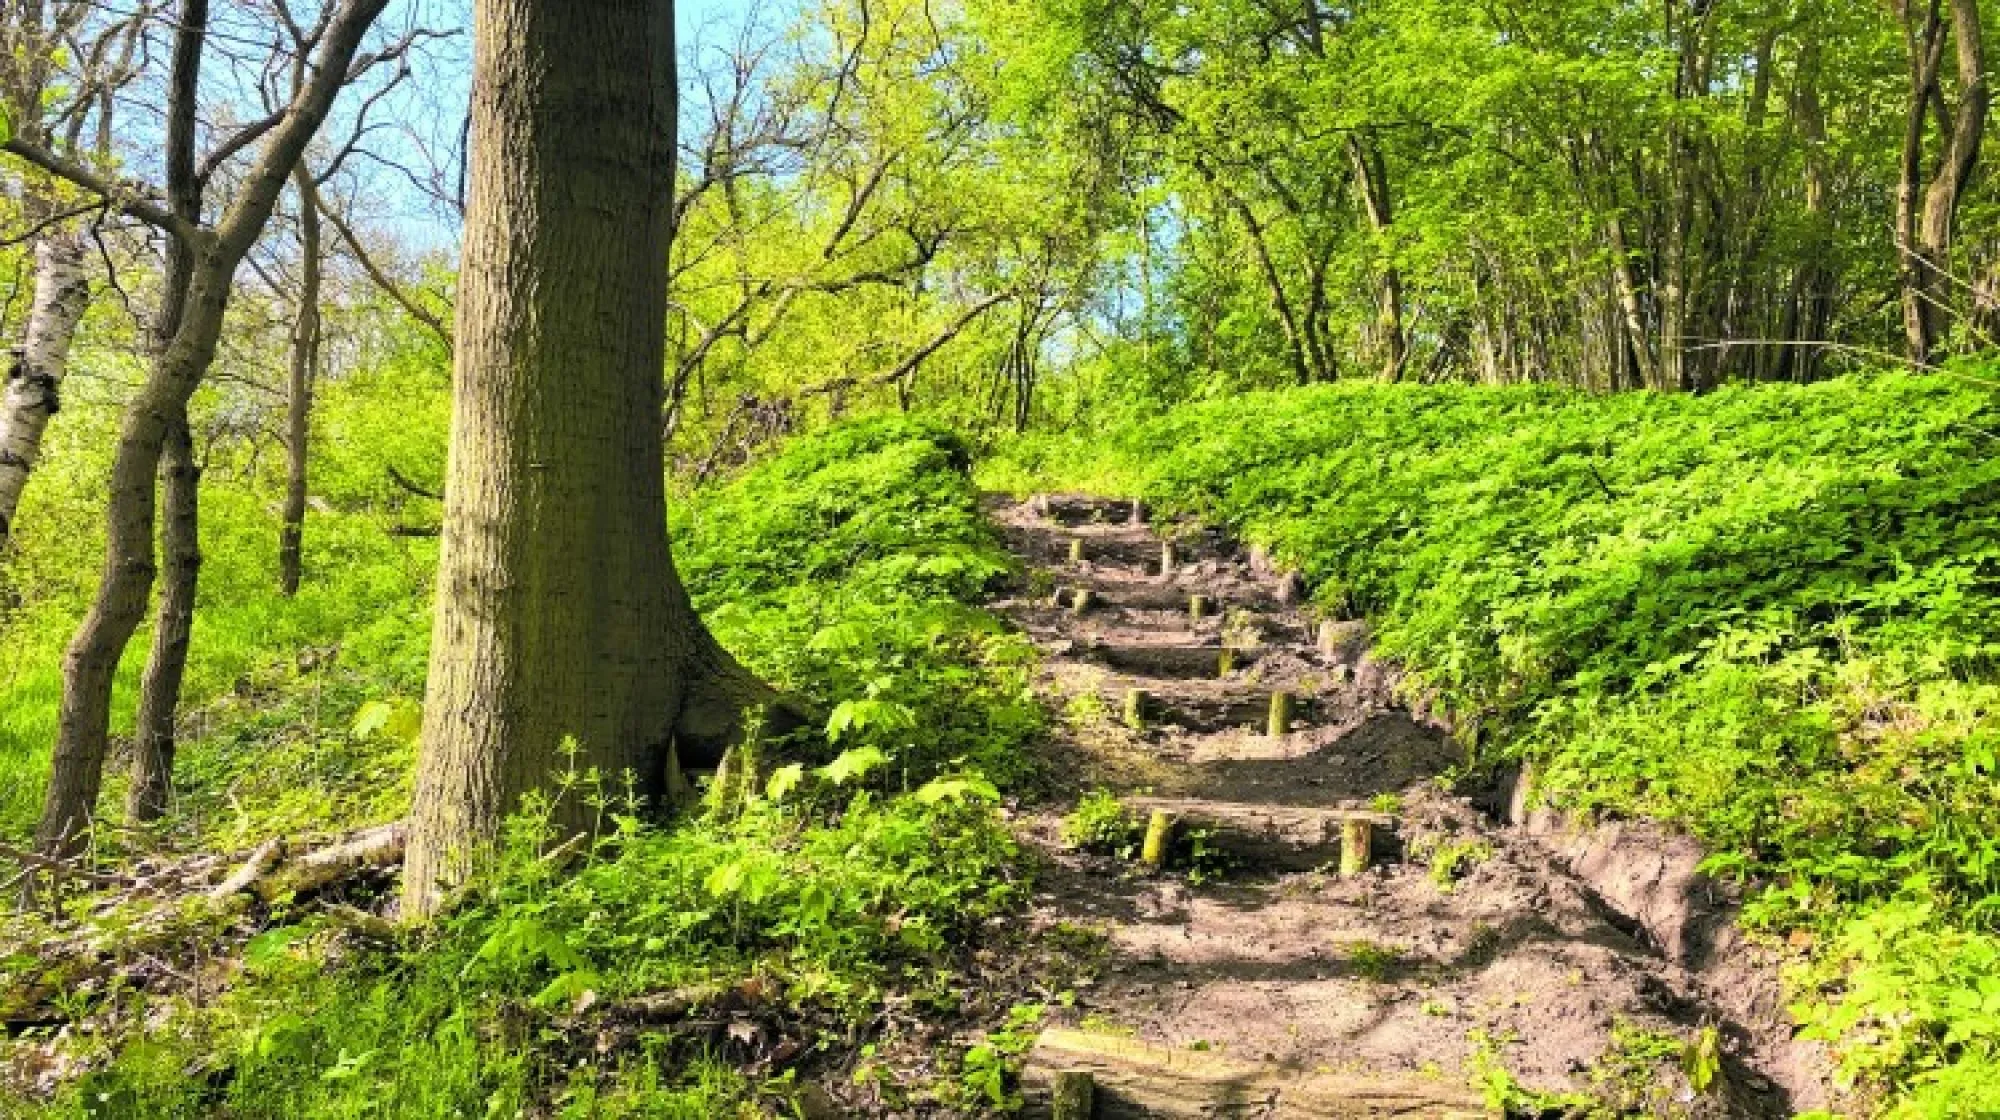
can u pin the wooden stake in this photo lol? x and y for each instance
(1329, 637)
(1356, 835)
(1167, 564)
(1198, 607)
(1081, 600)
(1159, 830)
(1281, 714)
(1138, 512)
(1135, 709)
(1073, 1094)
(1225, 662)
(1076, 551)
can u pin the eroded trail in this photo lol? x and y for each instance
(1267, 981)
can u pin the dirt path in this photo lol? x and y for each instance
(1463, 952)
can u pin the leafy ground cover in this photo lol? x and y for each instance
(680, 969)
(1767, 614)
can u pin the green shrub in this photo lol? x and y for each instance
(1101, 823)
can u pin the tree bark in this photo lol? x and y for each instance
(151, 789)
(302, 376)
(62, 292)
(560, 618)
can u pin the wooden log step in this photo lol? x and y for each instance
(1072, 509)
(1282, 837)
(1178, 662)
(1204, 714)
(1153, 595)
(1131, 1079)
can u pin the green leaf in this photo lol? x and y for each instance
(370, 718)
(953, 789)
(853, 765)
(784, 780)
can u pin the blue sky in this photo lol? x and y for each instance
(692, 14)
(422, 224)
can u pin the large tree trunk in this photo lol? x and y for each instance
(151, 789)
(62, 292)
(560, 618)
(303, 375)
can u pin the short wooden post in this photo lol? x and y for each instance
(1225, 662)
(1076, 550)
(1356, 835)
(1138, 516)
(1135, 709)
(1167, 564)
(1281, 714)
(1329, 637)
(1159, 830)
(1260, 558)
(1082, 599)
(1073, 1095)
(1198, 607)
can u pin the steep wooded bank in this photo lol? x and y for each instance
(1766, 615)
(845, 896)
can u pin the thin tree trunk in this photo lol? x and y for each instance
(304, 373)
(77, 765)
(62, 292)
(151, 789)
(1371, 173)
(1926, 212)
(1955, 167)
(559, 617)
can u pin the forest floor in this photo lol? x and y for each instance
(1467, 954)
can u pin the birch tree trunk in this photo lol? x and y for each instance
(34, 382)
(560, 618)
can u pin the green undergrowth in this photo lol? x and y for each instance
(273, 683)
(1766, 614)
(773, 924)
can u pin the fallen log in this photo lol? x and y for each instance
(269, 875)
(1133, 1080)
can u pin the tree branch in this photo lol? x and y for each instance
(122, 197)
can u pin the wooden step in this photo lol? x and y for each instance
(1177, 662)
(1223, 712)
(1282, 837)
(1154, 594)
(1073, 509)
(1134, 1079)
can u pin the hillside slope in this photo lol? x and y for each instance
(1766, 615)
